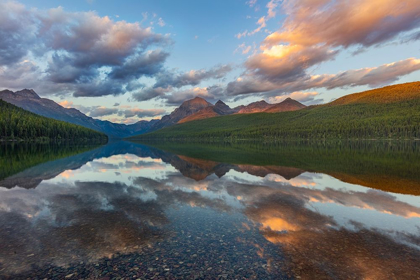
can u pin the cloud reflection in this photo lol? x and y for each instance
(88, 220)
(322, 229)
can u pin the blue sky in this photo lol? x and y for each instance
(238, 51)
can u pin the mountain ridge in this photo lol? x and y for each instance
(28, 100)
(286, 105)
(221, 109)
(189, 110)
(349, 117)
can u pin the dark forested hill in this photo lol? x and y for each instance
(27, 99)
(390, 112)
(18, 124)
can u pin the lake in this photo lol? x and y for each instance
(290, 210)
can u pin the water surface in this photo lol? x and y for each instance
(235, 211)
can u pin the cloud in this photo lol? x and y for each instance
(141, 113)
(66, 104)
(374, 76)
(345, 23)
(16, 32)
(315, 32)
(262, 21)
(251, 3)
(135, 223)
(370, 76)
(244, 49)
(161, 22)
(177, 97)
(149, 93)
(168, 81)
(287, 62)
(140, 65)
(85, 54)
(125, 111)
(305, 97)
(191, 78)
(102, 111)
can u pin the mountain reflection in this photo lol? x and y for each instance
(126, 198)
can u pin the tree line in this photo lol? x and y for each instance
(400, 120)
(19, 124)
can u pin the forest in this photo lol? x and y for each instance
(387, 113)
(19, 124)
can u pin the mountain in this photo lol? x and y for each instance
(221, 109)
(205, 113)
(19, 124)
(387, 113)
(187, 108)
(262, 106)
(30, 101)
(218, 109)
(254, 107)
(285, 106)
(194, 109)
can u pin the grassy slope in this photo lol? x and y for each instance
(388, 166)
(19, 124)
(390, 112)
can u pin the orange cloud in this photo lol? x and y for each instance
(345, 23)
(66, 104)
(315, 31)
(283, 62)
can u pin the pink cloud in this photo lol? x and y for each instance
(345, 23)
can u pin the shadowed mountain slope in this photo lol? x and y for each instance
(218, 109)
(27, 99)
(187, 108)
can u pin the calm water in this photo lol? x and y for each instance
(252, 211)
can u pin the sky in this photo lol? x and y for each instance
(132, 60)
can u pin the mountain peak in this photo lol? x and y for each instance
(254, 107)
(187, 108)
(286, 105)
(221, 108)
(196, 101)
(260, 102)
(28, 93)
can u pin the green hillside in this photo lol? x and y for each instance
(19, 124)
(387, 113)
